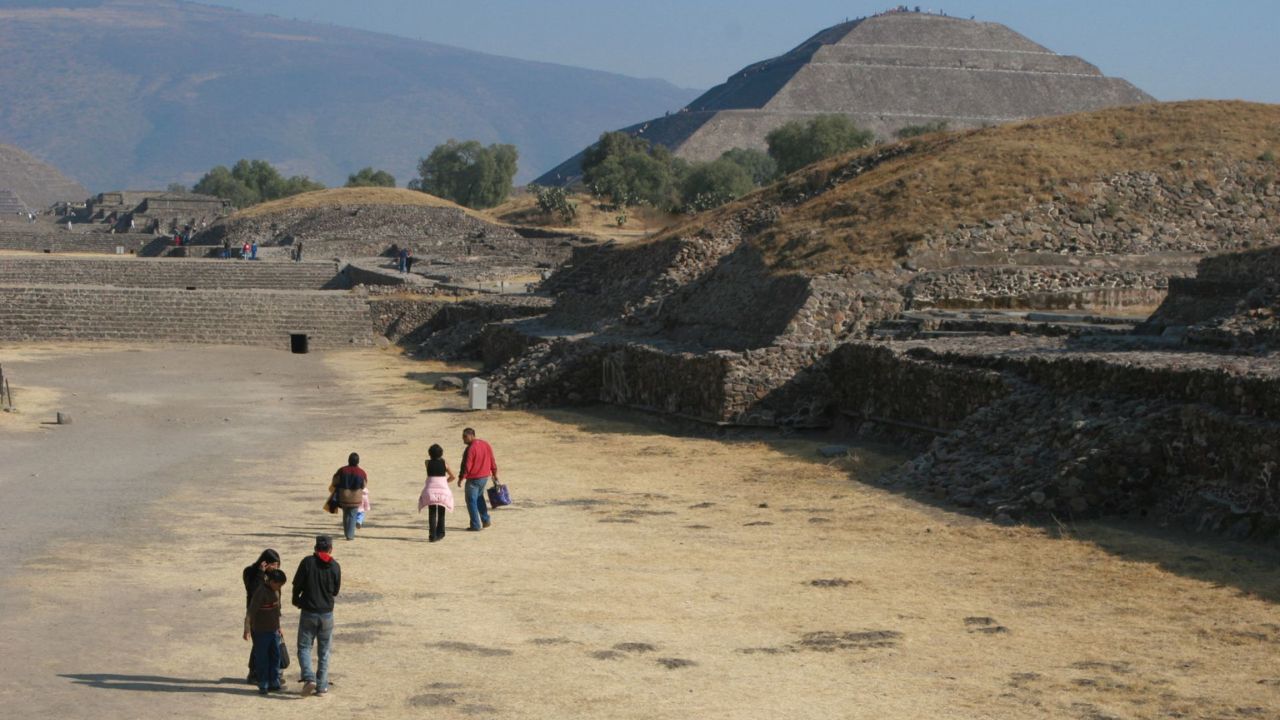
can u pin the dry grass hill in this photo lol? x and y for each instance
(869, 208)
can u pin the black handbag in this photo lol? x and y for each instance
(284, 651)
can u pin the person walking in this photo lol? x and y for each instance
(478, 466)
(315, 585)
(262, 623)
(436, 496)
(253, 577)
(297, 252)
(253, 250)
(402, 257)
(349, 483)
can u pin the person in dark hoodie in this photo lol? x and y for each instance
(269, 560)
(315, 585)
(262, 623)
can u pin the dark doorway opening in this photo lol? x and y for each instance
(298, 343)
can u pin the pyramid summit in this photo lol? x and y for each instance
(886, 72)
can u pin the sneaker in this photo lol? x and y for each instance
(471, 529)
(308, 687)
(487, 523)
(322, 693)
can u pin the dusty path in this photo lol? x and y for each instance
(640, 575)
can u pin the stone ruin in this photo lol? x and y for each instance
(886, 72)
(153, 212)
(38, 184)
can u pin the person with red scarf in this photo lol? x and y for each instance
(315, 585)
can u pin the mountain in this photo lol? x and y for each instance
(140, 93)
(886, 72)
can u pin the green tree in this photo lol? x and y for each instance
(250, 182)
(631, 171)
(368, 177)
(469, 173)
(709, 185)
(797, 144)
(762, 168)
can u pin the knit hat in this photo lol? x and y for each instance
(324, 543)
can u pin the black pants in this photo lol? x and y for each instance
(435, 521)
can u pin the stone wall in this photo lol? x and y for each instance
(1039, 288)
(1033, 428)
(66, 242)
(883, 383)
(169, 273)
(232, 317)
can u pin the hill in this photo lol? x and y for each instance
(886, 72)
(140, 93)
(870, 208)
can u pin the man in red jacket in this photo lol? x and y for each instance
(478, 466)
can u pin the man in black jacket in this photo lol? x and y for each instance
(315, 585)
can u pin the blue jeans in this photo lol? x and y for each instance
(317, 628)
(266, 659)
(476, 506)
(349, 522)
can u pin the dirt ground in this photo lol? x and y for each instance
(641, 572)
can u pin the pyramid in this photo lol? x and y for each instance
(36, 183)
(885, 72)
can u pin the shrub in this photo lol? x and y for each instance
(710, 185)
(797, 144)
(555, 201)
(631, 171)
(368, 177)
(929, 128)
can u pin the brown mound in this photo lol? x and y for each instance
(864, 209)
(352, 196)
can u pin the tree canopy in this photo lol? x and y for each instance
(468, 173)
(797, 144)
(249, 182)
(762, 168)
(712, 184)
(368, 177)
(631, 171)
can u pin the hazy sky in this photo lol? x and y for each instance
(1173, 49)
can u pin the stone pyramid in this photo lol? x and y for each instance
(37, 183)
(886, 72)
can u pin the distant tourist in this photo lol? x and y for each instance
(244, 251)
(297, 252)
(253, 576)
(404, 259)
(262, 623)
(408, 260)
(315, 585)
(478, 466)
(349, 484)
(436, 496)
(226, 248)
(253, 250)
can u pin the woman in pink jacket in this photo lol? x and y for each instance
(436, 495)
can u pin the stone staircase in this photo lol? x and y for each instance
(266, 318)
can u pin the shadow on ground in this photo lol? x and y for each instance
(155, 683)
(1251, 568)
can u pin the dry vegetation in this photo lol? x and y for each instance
(353, 196)
(946, 180)
(592, 219)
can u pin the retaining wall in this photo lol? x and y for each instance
(233, 317)
(170, 273)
